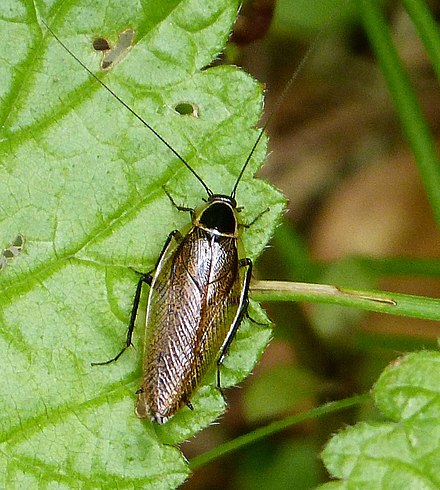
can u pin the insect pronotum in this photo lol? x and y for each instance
(198, 294)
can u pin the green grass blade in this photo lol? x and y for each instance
(384, 302)
(428, 29)
(414, 125)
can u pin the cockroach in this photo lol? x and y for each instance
(198, 297)
(199, 294)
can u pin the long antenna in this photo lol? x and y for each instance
(275, 109)
(207, 189)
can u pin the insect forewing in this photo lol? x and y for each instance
(195, 299)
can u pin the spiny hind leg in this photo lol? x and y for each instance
(145, 278)
(242, 311)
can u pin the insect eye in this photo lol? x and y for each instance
(187, 109)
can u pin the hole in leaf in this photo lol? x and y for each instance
(112, 55)
(101, 44)
(187, 109)
(12, 251)
(18, 242)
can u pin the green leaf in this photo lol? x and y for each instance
(403, 452)
(81, 180)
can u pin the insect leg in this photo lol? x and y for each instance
(248, 225)
(173, 202)
(265, 324)
(144, 278)
(241, 313)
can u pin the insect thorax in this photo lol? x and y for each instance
(218, 215)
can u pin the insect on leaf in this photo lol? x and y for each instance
(83, 180)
